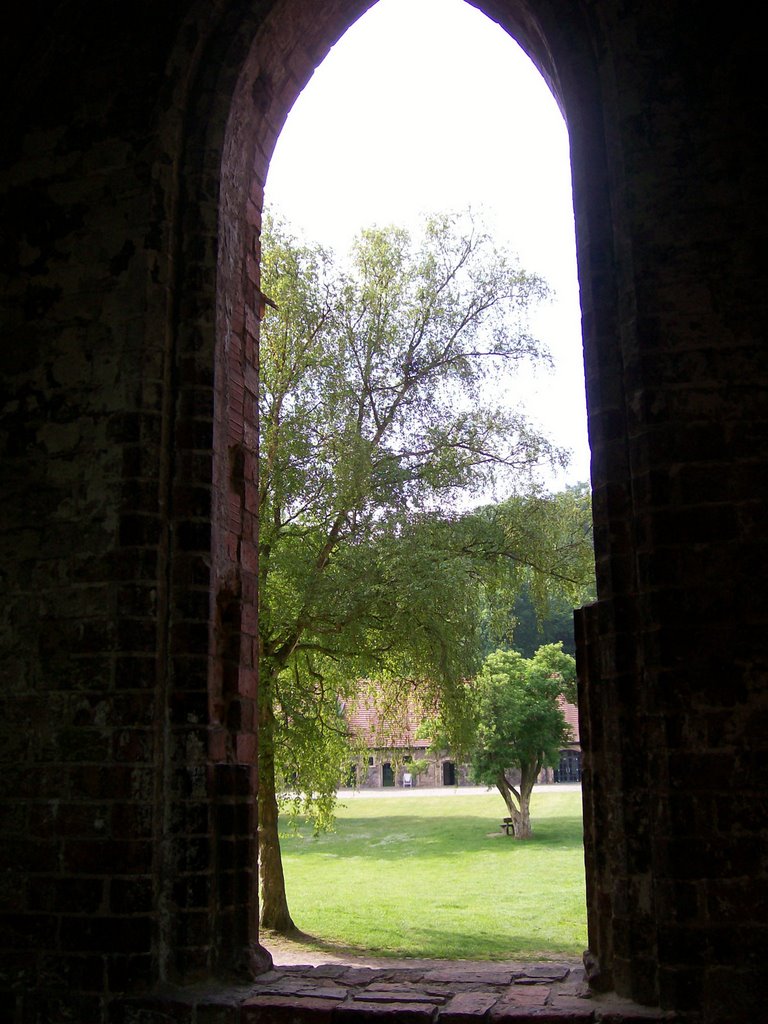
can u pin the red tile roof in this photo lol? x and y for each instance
(369, 724)
(571, 713)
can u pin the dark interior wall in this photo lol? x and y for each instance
(135, 146)
(85, 540)
(676, 666)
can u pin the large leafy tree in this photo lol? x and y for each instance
(519, 724)
(377, 419)
(555, 530)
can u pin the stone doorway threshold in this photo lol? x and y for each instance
(307, 986)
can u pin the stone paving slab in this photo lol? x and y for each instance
(404, 991)
(486, 976)
(408, 1013)
(513, 999)
(545, 972)
(336, 992)
(330, 970)
(278, 1009)
(299, 986)
(467, 1007)
(362, 975)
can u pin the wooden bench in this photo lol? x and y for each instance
(507, 825)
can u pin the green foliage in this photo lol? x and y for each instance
(418, 766)
(314, 747)
(519, 723)
(528, 631)
(553, 532)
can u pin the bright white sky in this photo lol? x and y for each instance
(427, 105)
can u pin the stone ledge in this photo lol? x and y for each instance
(335, 994)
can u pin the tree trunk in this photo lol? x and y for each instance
(528, 776)
(273, 905)
(518, 804)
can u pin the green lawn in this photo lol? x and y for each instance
(434, 876)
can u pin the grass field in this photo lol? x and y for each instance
(434, 876)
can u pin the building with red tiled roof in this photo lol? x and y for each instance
(391, 751)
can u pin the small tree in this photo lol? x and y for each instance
(519, 723)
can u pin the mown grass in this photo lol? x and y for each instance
(434, 877)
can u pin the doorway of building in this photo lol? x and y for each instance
(569, 769)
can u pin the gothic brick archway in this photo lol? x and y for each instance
(275, 65)
(135, 147)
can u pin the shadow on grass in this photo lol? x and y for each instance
(387, 838)
(421, 945)
(433, 885)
